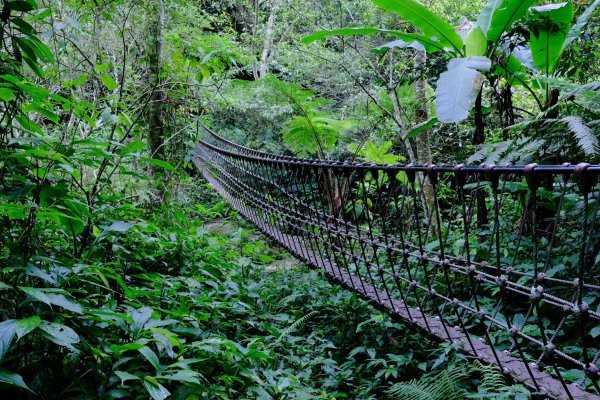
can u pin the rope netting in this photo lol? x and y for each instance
(503, 261)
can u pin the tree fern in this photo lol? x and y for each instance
(312, 134)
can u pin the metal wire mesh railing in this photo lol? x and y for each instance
(501, 260)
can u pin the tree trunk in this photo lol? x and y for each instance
(422, 139)
(156, 125)
(397, 110)
(479, 134)
(479, 138)
(264, 64)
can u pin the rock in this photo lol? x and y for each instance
(278, 265)
(221, 228)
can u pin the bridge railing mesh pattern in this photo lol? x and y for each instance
(503, 261)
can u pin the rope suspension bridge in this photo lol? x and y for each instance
(502, 261)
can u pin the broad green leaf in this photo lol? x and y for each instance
(102, 67)
(62, 301)
(11, 378)
(400, 44)
(504, 16)
(7, 333)
(6, 94)
(118, 349)
(476, 43)
(155, 389)
(421, 127)
(26, 325)
(28, 125)
(203, 74)
(430, 24)
(131, 148)
(109, 82)
(523, 55)
(182, 376)
(140, 316)
(549, 26)
(60, 334)
(49, 297)
(159, 163)
(150, 356)
(581, 23)
(119, 226)
(4, 286)
(485, 17)
(126, 376)
(81, 79)
(42, 14)
(595, 331)
(431, 45)
(34, 107)
(111, 316)
(458, 87)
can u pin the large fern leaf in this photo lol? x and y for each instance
(586, 139)
(444, 386)
(313, 134)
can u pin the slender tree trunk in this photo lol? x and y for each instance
(479, 138)
(266, 53)
(422, 142)
(479, 134)
(398, 110)
(507, 112)
(156, 125)
(254, 31)
(260, 70)
(422, 113)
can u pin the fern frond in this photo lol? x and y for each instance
(313, 133)
(586, 138)
(413, 390)
(443, 386)
(299, 322)
(492, 380)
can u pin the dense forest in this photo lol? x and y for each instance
(123, 274)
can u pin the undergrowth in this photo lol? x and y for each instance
(185, 301)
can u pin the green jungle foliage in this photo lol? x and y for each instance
(123, 275)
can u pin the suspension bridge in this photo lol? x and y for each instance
(502, 261)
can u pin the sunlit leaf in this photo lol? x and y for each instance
(109, 82)
(26, 325)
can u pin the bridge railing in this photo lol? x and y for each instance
(501, 260)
